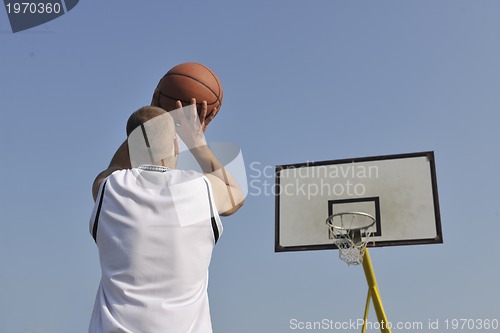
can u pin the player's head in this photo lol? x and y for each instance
(151, 137)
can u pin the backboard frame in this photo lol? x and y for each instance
(279, 247)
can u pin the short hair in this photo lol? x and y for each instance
(151, 135)
(141, 116)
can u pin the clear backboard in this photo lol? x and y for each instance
(400, 191)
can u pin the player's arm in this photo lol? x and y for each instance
(228, 195)
(120, 160)
(227, 192)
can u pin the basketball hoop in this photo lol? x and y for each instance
(351, 232)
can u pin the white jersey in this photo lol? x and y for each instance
(155, 231)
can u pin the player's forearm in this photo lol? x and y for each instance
(212, 166)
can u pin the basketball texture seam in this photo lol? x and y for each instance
(221, 93)
(200, 82)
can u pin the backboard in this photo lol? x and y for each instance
(400, 191)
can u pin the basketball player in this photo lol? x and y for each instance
(121, 160)
(156, 226)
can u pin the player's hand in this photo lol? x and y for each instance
(189, 125)
(202, 114)
(204, 119)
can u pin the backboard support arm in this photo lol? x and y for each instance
(374, 295)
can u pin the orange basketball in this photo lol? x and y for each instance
(186, 81)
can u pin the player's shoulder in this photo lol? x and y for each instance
(171, 177)
(120, 174)
(178, 176)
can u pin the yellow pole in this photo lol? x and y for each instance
(374, 293)
(367, 309)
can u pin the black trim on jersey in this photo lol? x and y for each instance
(96, 220)
(214, 222)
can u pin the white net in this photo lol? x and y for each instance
(351, 232)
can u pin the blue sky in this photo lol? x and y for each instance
(303, 81)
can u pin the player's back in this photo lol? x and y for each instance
(155, 230)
